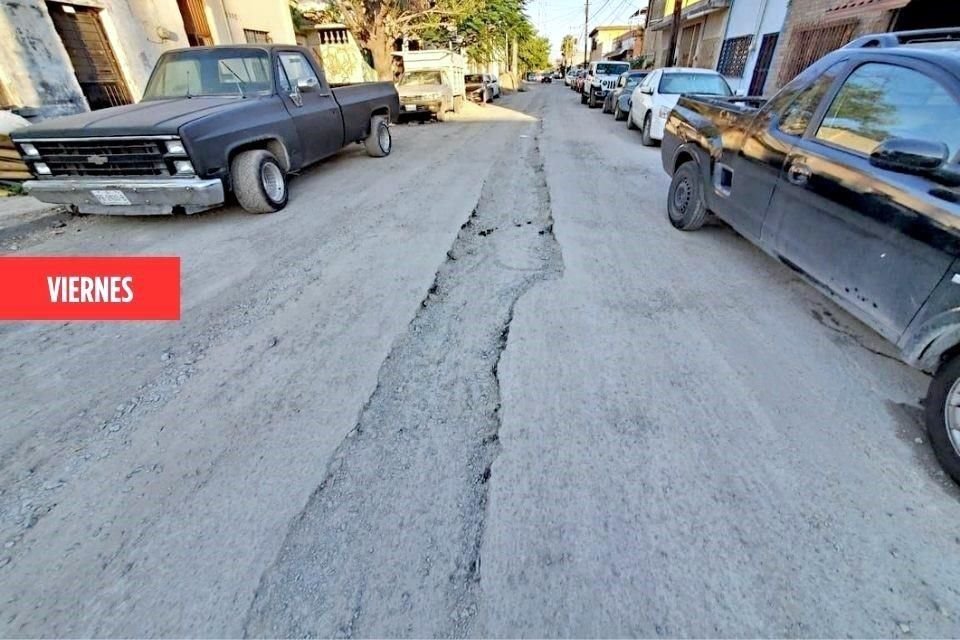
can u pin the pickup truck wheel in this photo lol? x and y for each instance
(943, 416)
(378, 142)
(592, 101)
(645, 137)
(258, 181)
(686, 207)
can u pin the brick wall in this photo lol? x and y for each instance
(804, 15)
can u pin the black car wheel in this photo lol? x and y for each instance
(943, 416)
(645, 136)
(686, 207)
(617, 114)
(583, 98)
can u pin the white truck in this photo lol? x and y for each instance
(601, 77)
(432, 82)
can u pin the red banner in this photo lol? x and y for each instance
(89, 288)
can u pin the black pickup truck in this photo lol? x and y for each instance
(850, 176)
(212, 120)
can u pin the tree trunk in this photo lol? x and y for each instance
(381, 48)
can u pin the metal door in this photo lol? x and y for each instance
(93, 61)
(764, 58)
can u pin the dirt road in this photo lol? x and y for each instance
(480, 387)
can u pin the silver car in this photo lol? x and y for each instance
(617, 101)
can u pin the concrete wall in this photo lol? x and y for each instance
(604, 42)
(754, 18)
(272, 16)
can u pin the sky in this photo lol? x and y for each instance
(556, 18)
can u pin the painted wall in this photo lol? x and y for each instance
(604, 42)
(754, 18)
(272, 16)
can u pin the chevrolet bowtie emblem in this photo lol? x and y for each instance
(97, 160)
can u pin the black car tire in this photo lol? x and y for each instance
(935, 407)
(249, 173)
(583, 98)
(645, 137)
(617, 114)
(686, 208)
(379, 142)
(592, 100)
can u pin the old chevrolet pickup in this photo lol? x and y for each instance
(213, 121)
(849, 176)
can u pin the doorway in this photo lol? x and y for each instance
(89, 50)
(689, 44)
(764, 59)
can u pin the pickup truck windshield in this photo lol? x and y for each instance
(699, 83)
(421, 77)
(611, 69)
(210, 72)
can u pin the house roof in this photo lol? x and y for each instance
(611, 27)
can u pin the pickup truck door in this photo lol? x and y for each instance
(311, 105)
(744, 181)
(878, 239)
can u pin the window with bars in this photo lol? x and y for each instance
(733, 56)
(256, 37)
(811, 42)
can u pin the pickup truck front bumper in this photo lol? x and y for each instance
(129, 196)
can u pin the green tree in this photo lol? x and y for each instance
(534, 53)
(377, 24)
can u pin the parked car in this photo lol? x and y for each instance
(547, 78)
(599, 80)
(494, 83)
(432, 83)
(570, 77)
(656, 95)
(849, 176)
(617, 101)
(478, 89)
(581, 78)
(212, 120)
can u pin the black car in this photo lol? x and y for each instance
(849, 176)
(212, 120)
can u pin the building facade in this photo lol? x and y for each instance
(751, 41)
(702, 27)
(627, 46)
(65, 57)
(814, 28)
(602, 38)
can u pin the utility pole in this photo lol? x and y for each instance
(586, 30)
(674, 33)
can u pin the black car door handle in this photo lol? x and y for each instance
(798, 174)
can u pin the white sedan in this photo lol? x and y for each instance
(654, 98)
(494, 83)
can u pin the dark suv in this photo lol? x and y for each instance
(850, 176)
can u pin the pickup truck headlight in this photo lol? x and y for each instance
(176, 148)
(183, 167)
(29, 150)
(41, 168)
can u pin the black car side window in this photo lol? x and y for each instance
(880, 101)
(796, 117)
(297, 67)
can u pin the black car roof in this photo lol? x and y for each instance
(938, 46)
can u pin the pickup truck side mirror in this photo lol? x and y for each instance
(648, 90)
(909, 156)
(305, 85)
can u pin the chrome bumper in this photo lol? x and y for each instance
(147, 197)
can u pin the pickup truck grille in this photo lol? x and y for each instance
(102, 157)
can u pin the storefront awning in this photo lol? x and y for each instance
(853, 8)
(695, 10)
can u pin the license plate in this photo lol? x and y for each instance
(110, 196)
(410, 107)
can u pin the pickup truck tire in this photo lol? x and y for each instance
(378, 142)
(259, 182)
(645, 137)
(943, 416)
(686, 207)
(592, 100)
